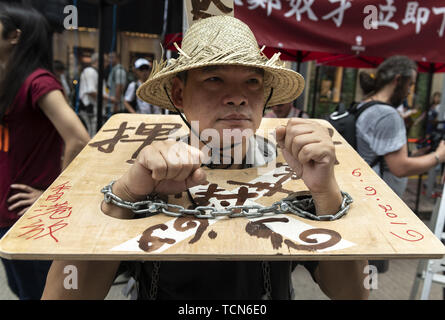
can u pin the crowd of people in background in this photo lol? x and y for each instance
(87, 98)
(119, 88)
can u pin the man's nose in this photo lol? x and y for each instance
(235, 97)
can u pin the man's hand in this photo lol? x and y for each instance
(164, 167)
(24, 199)
(115, 106)
(310, 152)
(421, 151)
(111, 99)
(440, 151)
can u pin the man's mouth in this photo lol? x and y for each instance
(235, 117)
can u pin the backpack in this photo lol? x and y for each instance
(134, 102)
(344, 120)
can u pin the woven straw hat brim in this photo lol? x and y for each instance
(220, 41)
(287, 84)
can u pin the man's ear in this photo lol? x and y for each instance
(397, 79)
(14, 36)
(177, 93)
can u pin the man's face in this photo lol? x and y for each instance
(224, 98)
(403, 89)
(113, 58)
(282, 110)
(143, 72)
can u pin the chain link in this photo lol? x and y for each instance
(154, 280)
(266, 280)
(300, 205)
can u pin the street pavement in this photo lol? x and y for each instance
(395, 284)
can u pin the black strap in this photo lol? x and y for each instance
(380, 160)
(267, 101)
(375, 161)
(358, 111)
(134, 101)
(136, 86)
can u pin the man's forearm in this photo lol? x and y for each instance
(92, 281)
(117, 97)
(343, 280)
(338, 279)
(93, 95)
(328, 202)
(417, 165)
(129, 107)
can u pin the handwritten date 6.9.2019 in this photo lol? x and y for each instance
(401, 229)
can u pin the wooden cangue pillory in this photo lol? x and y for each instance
(67, 223)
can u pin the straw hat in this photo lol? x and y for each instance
(221, 40)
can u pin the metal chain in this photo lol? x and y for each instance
(154, 280)
(300, 205)
(266, 279)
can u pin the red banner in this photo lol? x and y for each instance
(368, 28)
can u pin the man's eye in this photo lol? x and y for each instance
(213, 79)
(253, 81)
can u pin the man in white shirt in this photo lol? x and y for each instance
(142, 69)
(88, 94)
(116, 82)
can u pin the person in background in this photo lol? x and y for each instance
(40, 133)
(406, 113)
(88, 94)
(59, 70)
(142, 69)
(107, 68)
(435, 101)
(286, 110)
(116, 82)
(431, 115)
(381, 132)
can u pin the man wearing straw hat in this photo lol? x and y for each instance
(223, 82)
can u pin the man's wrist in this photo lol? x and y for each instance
(121, 190)
(329, 201)
(438, 161)
(118, 188)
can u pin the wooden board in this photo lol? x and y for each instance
(67, 223)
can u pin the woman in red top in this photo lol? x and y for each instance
(39, 132)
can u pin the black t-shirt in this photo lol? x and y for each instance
(213, 280)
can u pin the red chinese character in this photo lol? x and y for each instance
(54, 197)
(55, 211)
(59, 210)
(61, 187)
(37, 227)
